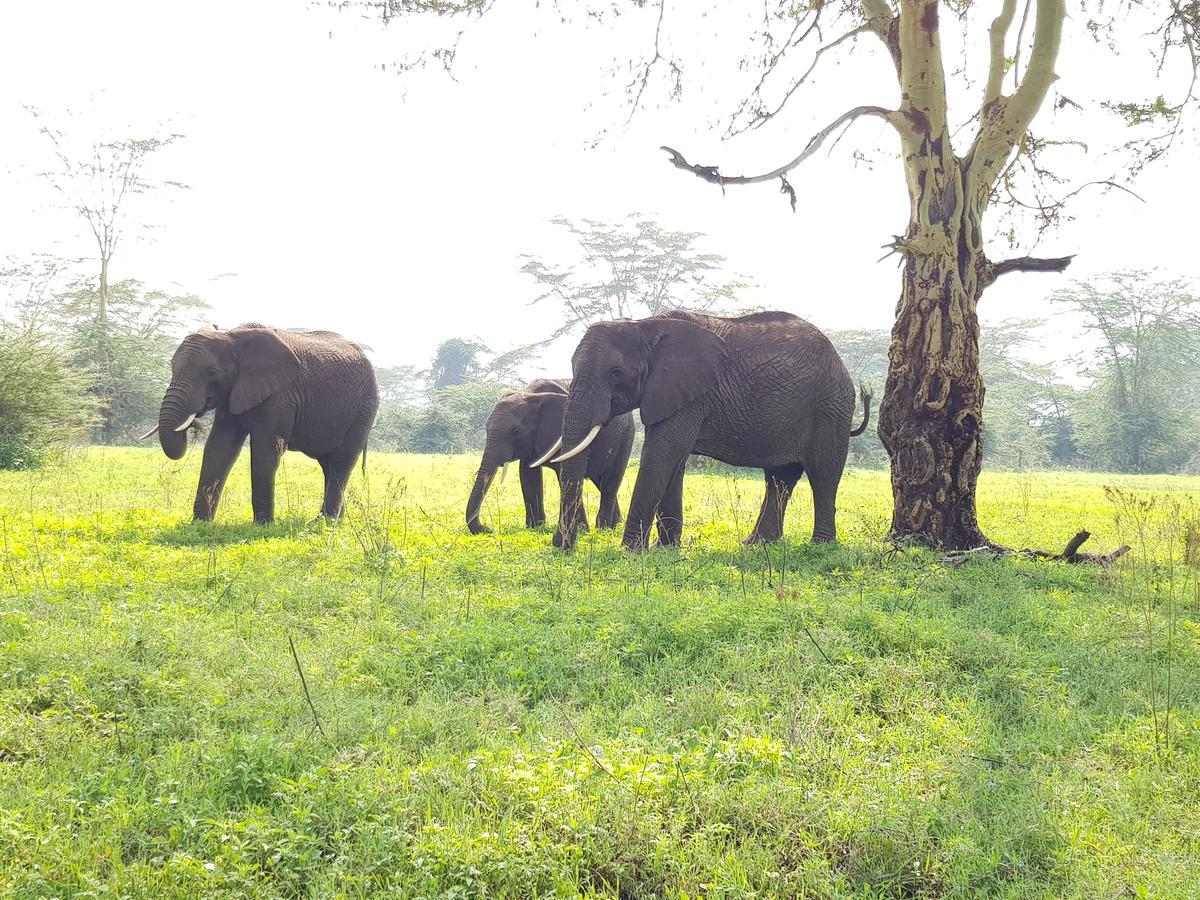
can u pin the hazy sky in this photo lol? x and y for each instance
(393, 208)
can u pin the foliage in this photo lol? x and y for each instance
(455, 362)
(1142, 412)
(502, 720)
(630, 269)
(127, 353)
(44, 402)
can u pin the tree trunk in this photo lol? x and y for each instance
(102, 308)
(931, 417)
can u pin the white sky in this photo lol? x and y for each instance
(392, 209)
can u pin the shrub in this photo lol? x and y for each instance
(43, 401)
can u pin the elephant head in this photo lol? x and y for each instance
(233, 371)
(659, 365)
(522, 425)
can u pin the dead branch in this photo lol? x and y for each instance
(1030, 264)
(1069, 554)
(712, 174)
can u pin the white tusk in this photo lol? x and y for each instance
(151, 433)
(583, 445)
(186, 422)
(503, 472)
(546, 456)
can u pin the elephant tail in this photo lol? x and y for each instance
(865, 392)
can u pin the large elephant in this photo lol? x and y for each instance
(766, 390)
(312, 391)
(526, 426)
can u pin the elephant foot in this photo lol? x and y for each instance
(534, 523)
(563, 542)
(478, 528)
(761, 538)
(823, 538)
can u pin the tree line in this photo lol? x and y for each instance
(86, 362)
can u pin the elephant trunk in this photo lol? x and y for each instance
(588, 405)
(174, 411)
(483, 480)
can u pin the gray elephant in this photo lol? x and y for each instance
(766, 390)
(526, 426)
(312, 391)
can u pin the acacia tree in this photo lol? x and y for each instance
(97, 181)
(630, 268)
(931, 416)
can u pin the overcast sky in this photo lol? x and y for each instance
(327, 191)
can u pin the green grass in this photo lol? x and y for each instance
(501, 720)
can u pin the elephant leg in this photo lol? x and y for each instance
(581, 519)
(266, 449)
(338, 470)
(224, 443)
(609, 515)
(531, 492)
(670, 510)
(781, 481)
(665, 450)
(824, 474)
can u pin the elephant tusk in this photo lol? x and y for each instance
(583, 445)
(546, 456)
(503, 472)
(186, 422)
(151, 433)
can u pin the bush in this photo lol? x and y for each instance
(43, 401)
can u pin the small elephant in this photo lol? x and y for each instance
(312, 391)
(766, 390)
(525, 426)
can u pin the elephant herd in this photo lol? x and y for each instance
(766, 390)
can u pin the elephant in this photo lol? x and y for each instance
(525, 426)
(312, 391)
(766, 390)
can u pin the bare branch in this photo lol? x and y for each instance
(761, 116)
(712, 175)
(883, 23)
(645, 79)
(1030, 264)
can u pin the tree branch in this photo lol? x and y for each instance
(996, 37)
(1030, 264)
(760, 116)
(712, 175)
(882, 21)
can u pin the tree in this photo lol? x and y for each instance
(455, 362)
(931, 416)
(127, 353)
(633, 268)
(43, 400)
(1142, 412)
(98, 181)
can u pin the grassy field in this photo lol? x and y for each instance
(490, 718)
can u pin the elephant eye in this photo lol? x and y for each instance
(615, 372)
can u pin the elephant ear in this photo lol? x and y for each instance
(546, 410)
(686, 360)
(265, 365)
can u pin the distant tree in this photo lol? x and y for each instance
(865, 353)
(44, 402)
(1141, 412)
(633, 268)
(453, 421)
(98, 179)
(456, 361)
(127, 353)
(398, 384)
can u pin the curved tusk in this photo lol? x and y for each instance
(186, 422)
(151, 433)
(503, 472)
(546, 456)
(583, 445)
